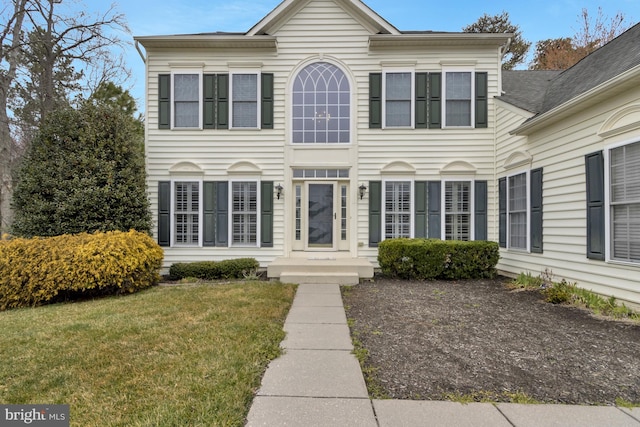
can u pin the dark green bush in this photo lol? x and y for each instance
(426, 259)
(213, 270)
(559, 293)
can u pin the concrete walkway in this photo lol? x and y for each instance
(318, 382)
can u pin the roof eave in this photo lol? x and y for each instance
(627, 79)
(382, 41)
(208, 41)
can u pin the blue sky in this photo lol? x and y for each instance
(538, 19)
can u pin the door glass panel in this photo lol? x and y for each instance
(321, 215)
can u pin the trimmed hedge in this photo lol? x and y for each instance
(213, 270)
(45, 270)
(425, 259)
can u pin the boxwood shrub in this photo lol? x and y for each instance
(426, 259)
(213, 270)
(44, 270)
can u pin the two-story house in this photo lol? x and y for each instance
(324, 130)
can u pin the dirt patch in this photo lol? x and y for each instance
(432, 340)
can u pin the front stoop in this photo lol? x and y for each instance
(343, 271)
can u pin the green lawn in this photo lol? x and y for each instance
(169, 356)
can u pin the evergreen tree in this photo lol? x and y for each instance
(518, 48)
(84, 172)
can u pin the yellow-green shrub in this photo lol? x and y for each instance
(41, 270)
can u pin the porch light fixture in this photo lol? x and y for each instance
(363, 189)
(279, 191)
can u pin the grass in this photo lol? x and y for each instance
(169, 356)
(563, 292)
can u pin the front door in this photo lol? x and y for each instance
(321, 216)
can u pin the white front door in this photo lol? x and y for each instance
(321, 216)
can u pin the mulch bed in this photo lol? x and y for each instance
(478, 338)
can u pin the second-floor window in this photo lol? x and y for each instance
(321, 105)
(398, 89)
(186, 100)
(458, 96)
(244, 100)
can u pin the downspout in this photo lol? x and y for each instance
(502, 51)
(144, 59)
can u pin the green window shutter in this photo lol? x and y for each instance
(434, 191)
(594, 164)
(266, 214)
(164, 101)
(267, 101)
(222, 101)
(222, 213)
(502, 212)
(420, 209)
(375, 213)
(422, 100)
(482, 106)
(209, 97)
(375, 100)
(536, 211)
(480, 210)
(164, 213)
(209, 208)
(435, 101)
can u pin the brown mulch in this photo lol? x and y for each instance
(480, 339)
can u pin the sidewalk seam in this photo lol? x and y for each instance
(503, 414)
(628, 413)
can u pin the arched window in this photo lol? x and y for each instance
(321, 105)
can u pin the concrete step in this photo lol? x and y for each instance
(344, 278)
(315, 270)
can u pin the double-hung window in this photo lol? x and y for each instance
(187, 213)
(397, 209)
(457, 210)
(517, 211)
(458, 94)
(244, 100)
(398, 96)
(244, 215)
(186, 100)
(624, 202)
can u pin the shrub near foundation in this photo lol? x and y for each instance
(44, 270)
(214, 270)
(427, 259)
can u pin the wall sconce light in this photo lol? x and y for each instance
(279, 191)
(363, 189)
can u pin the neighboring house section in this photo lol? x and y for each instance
(324, 130)
(568, 167)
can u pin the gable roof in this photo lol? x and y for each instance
(360, 10)
(617, 60)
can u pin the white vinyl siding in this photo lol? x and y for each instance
(457, 210)
(397, 209)
(244, 100)
(187, 213)
(244, 214)
(625, 202)
(458, 96)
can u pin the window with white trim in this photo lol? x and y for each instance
(244, 100)
(187, 213)
(624, 202)
(398, 99)
(458, 96)
(186, 100)
(517, 209)
(397, 209)
(321, 105)
(457, 210)
(244, 214)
